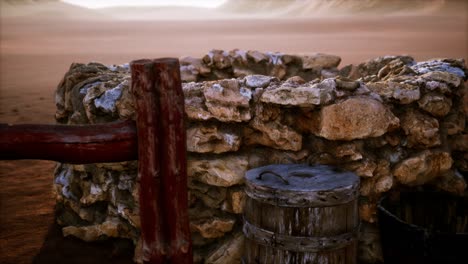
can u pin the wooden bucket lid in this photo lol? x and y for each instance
(299, 185)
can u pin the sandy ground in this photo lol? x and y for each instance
(36, 50)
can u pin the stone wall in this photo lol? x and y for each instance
(391, 120)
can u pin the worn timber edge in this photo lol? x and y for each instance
(298, 243)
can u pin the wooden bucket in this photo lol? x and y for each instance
(300, 214)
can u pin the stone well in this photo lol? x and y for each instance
(395, 122)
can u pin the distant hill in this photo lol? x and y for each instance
(327, 7)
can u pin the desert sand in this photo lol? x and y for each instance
(39, 41)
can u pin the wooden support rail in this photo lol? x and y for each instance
(157, 139)
(111, 142)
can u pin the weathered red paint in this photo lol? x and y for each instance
(162, 166)
(149, 167)
(111, 142)
(174, 159)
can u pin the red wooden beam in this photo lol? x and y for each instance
(111, 142)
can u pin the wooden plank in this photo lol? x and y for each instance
(174, 159)
(149, 168)
(111, 142)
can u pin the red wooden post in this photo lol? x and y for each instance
(109, 142)
(174, 159)
(157, 89)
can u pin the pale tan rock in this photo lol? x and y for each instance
(350, 151)
(442, 76)
(257, 56)
(319, 61)
(226, 101)
(229, 252)
(269, 131)
(296, 80)
(212, 139)
(354, 118)
(218, 59)
(435, 104)
(257, 81)
(237, 201)
(126, 105)
(403, 93)
(221, 171)
(191, 68)
(362, 168)
(422, 130)
(212, 227)
(422, 167)
(307, 95)
(109, 228)
(195, 107)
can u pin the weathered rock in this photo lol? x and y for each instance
(422, 130)
(265, 156)
(212, 139)
(228, 102)
(435, 104)
(126, 105)
(355, 118)
(422, 167)
(211, 196)
(363, 168)
(320, 61)
(402, 93)
(373, 66)
(441, 65)
(195, 107)
(107, 101)
(212, 227)
(257, 81)
(451, 181)
(437, 86)
(237, 201)
(442, 76)
(218, 59)
(229, 252)
(269, 131)
(454, 123)
(382, 180)
(192, 68)
(350, 151)
(306, 95)
(222, 171)
(346, 84)
(110, 228)
(257, 56)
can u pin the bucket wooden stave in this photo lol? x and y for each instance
(300, 214)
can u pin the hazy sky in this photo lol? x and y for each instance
(109, 3)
